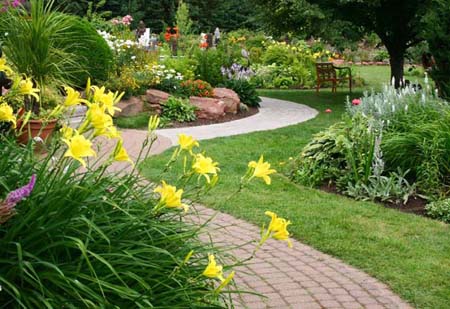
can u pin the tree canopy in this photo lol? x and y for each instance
(399, 23)
(205, 14)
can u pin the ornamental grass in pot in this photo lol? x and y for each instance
(41, 47)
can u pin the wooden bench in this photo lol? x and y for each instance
(327, 72)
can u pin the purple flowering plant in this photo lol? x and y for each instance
(11, 3)
(7, 206)
(237, 72)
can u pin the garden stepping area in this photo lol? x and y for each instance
(301, 277)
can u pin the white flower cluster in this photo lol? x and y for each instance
(162, 72)
(389, 101)
(117, 45)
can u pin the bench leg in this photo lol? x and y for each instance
(318, 87)
(350, 82)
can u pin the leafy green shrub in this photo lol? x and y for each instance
(283, 82)
(278, 54)
(282, 76)
(381, 55)
(184, 65)
(96, 56)
(349, 154)
(415, 134)
(245, 90)
(210, 62)
(439, 210)
(178, 109)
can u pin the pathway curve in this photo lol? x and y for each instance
(301, 277)
(273, 114)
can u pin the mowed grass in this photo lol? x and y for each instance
(409, 253)
(139, 121)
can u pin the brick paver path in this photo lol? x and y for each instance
(301, 277)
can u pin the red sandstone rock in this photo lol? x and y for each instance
(229, 98)
(153, 96)
(130, 107)
(208, 108)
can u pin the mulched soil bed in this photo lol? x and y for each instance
(415, 205)
(228, 117)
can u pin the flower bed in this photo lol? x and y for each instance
(73, 233)
(390, 147)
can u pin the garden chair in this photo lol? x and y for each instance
(327, 72)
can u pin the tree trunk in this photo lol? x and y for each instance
(397, 61)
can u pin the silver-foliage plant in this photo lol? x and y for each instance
(386, 104)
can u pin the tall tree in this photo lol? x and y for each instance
(438, 37)
(398, 23)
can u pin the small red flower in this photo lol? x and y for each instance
(328, 110)
(356, 102)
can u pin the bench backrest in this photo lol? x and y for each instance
(325, 71)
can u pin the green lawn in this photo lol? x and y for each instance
(376, 76)
(133, 122)
(409, 253)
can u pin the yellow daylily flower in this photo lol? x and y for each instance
(26, 88)
(4, 67)
(187, 142)
(98, 94)
(88, 88)
(111, 132)
(67, 132)
(79, 147)
(275, 223)
(120, 153)
(213, 270)
(153, 123)
(225, 282)
(7, 114)
(282, 233)
(107, 100)
(170, 196)
(277, 229)
(110, 99)
(99, 119)
(261, 170)
(204, 166)
(73, 97)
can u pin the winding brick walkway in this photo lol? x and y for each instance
(301, 277)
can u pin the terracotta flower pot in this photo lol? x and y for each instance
(36, 128)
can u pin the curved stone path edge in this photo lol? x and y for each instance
(301, 277)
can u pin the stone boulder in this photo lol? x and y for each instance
(155, 98)
(130, 107)
(229, 98)
(208, 108)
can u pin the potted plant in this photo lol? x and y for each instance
(41, 46)
(21, 107)
(20, 101)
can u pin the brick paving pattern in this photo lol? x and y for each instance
(301, 277)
